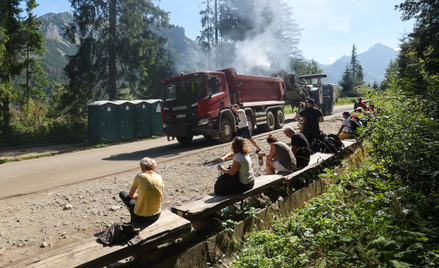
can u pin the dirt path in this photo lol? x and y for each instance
(33, 223)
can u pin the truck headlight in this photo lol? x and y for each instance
(203, 121)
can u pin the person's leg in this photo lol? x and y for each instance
(269, 167)
(129, 203)
(246, 134)
(254, 144)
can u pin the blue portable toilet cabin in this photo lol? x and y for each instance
(126, 119)
(143, 118)
(102, 122)
(156, 116)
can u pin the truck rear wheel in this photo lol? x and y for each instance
(225, 134)
(185, 140)
(279, 119)
(269, 126)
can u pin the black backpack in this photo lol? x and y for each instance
(354, 126)
(324, 144)
(338, 143)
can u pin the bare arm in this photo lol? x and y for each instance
(226, 157)
(294, 149)
(340, 130)
(272, 151)
(232, 171)
(132, 193)
(298, 117)
(321, 119)
(233, 109)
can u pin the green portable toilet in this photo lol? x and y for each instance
(102, 122)
(127, 117)
(156, 117)
(143, 118)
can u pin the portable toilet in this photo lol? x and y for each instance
(156, 116)
(143, 118)
(102, 122)
(126, 117)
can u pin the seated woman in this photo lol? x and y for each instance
(145, 206)
(281, 158)
(241, 166)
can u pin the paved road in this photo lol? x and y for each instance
(24, 177)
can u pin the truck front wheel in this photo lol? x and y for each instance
(279, 119)
(225, 134)
(269, 126)
(185, 140)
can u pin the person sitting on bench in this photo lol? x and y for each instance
(280, 158)
(241, 166)
(145, 205)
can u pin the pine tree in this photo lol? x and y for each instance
(206, 38)
(35, 78)
(304, 67)
(347, 82)
(117, 46)
(19, 38)
(356, 68)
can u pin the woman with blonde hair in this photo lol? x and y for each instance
(239, 177)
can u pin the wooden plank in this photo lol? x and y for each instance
(212, 203)
(90, 253)
(201, 208)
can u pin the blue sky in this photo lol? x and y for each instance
(330, 27)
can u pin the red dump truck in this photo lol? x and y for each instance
(198, 104)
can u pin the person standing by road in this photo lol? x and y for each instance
(311, 117)
(299, 147)
(145, 205)
(280, 158)
(243, 128)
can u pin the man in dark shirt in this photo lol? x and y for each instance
(299, 146)
(311, 117)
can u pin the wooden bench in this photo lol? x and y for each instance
(210, 204)
(90, 253)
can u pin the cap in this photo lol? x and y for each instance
(346, 113)
(311, 100)
(354, 115)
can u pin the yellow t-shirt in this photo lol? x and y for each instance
(149, 189)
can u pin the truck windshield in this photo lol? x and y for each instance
(186, 88)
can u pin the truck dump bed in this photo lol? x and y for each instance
(251, 89)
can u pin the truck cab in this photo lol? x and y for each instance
(191, 104)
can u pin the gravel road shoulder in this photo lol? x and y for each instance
(33, 223)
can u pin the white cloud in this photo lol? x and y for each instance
(397, 49)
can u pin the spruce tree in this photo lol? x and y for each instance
(116, 48)
(347, 82)
(19, 38)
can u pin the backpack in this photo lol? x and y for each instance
(338, 143)
(324, 144)
(354, 126)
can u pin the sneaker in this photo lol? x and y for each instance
(257, 151)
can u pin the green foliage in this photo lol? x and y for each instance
(423, 41)
(351, 82)
(305, 67)
(354, 224)
(21, 42)
(111, 55)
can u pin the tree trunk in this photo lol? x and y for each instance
(112, 72)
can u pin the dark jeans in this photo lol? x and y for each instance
(130, 203)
